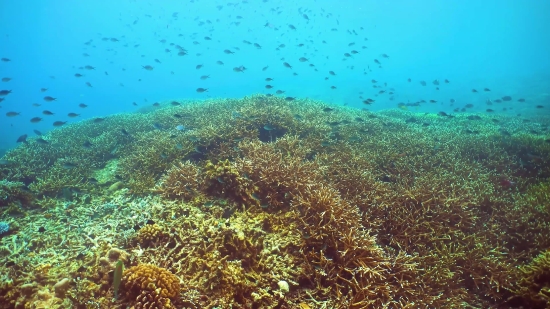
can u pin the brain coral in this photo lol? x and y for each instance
(150, 286)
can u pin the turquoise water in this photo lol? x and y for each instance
(499, 45)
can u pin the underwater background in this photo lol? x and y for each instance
(271, 154)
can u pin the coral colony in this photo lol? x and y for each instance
(263, 202)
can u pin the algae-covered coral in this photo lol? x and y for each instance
(267, 203)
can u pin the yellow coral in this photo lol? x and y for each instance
(149, 234)
(151, 286)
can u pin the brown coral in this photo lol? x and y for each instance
(150, 234)
(151, 286)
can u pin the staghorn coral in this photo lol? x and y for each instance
(150, 286)
(357, 209)
(533, 287)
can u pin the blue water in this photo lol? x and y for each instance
(501, 45)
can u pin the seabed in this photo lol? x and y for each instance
(263, 202)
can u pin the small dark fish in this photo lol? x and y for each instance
(147, 67)
(376, 61)
(98, 120)
(43, 89)
(22, 139)
(331, 73)
(12, 114)
(303, 59)
(436, 82)
(286, 64)
(89, 67)
(279, 92)
(423, 83)
(37, 132)
(227, 51)
(268, 79)
(6, 79)
(89, 84)
(36, 119)
(521, 100)
(73, 115)
(5, 59)
(42, 141)
(47, 113)
(59, 123)
(268, 86)
(327, 109)
(290, 99)
(69, 165)
(265, 68)
(539, 106)
(82, 105)
(4, 92)
(200, 90)
(123, 131)
(489, 110)
(198, 66)
(49, 99)
(506, 98)
(486, 89)
(78, 75)
(87, 145)
(157, 126)
(443, 114)
(474, 91)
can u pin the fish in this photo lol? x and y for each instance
(6, 79)
(423, 83)
(22, 139)
(43, 89)
(87, 145)
(37, 132)
(73, 115)
(42, 141)
(205, 77)
(227, 51)
(4, 92)
(198, 66)
(49, 99)
(69, 165)
(89, 84)
(506, 98)
(59, 123)
(147, 67)
(486, 89)
(12, 114)
(47, 113)
(98, 120)
(303, 59)
(268, 86)
(5, 59)
(200, 90)
(331, 73)
(89, 67)
(78, 75)
(82, 105)
(36, 119)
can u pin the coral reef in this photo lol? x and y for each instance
(266, 203)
